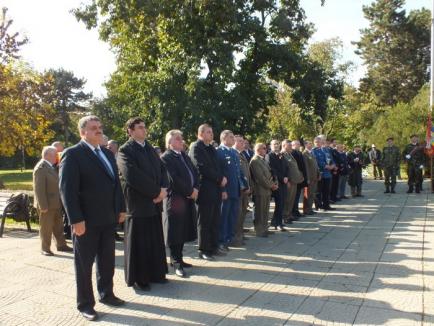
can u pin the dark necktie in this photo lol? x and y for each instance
(188, 169)
(108, 168)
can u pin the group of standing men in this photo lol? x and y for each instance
(169, 199)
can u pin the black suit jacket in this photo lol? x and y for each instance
(179, 178)
(278, 165)
(89, 193)
(142, 175)
(206, 160)
(298, 156)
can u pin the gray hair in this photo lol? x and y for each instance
(47, 150)
(83, 121)
(224, 134)
(170, 134)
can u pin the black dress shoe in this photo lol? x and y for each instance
(224, 247)
(113, 301)
(89, 314)
(65, 249)
(118, 237)
(205, 256)
(161, 281)
(142, 287)
(282, 228)
(179, 271)
(186, 265)
(219, 252)
(246, 230)
(47, 253)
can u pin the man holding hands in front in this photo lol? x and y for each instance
(93, 201)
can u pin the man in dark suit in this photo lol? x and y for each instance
(93, 201)
(204, 157)
(144, 183)
(279, 167)
(179, 214)
(298, 156)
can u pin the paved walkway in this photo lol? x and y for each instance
(371, 262)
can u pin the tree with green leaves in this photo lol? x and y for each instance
(396, 50)
(25, 108)
(68, 99)
(182, 63)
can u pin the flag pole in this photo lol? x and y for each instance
(431, 100)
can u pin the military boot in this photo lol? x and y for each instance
(393, 190)
(417, 189)
(410, 190)
(387, 190)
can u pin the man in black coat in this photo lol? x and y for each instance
(179, 214)
(93, 201)
(144, 183)
(204, 157)
(280, 170)
(298, 156)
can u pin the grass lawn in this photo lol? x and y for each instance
(17, 180)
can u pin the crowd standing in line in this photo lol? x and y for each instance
(165, 199)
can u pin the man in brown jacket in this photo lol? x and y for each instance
(263, 186)
(313, 174)
(295, 177)
(245, 194)
(47, 201)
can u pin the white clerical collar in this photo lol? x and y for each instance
(141, 144)
(91, 146)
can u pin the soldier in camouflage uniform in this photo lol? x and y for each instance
(390, 164)
(413, 154)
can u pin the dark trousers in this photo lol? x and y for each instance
(228, 219)
(279, 199)
(334, 187)
(324, 192)
(96, 244)
(297, 199)
(415, 177)
(176, 253)
(208, 226)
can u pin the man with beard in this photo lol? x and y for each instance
(144, 183)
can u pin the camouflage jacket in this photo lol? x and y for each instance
(391, 157)
(417, 156)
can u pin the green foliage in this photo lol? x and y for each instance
(401, 121)
(396, 50)
(68, 100)
(182, 63)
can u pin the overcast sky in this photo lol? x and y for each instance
(58, 40)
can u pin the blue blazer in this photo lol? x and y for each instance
(230, 165)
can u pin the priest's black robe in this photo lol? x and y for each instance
(142, 176)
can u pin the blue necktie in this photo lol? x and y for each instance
(108, 168)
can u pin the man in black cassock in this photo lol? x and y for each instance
(204, 157)
(179, 214)
(144, 183)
